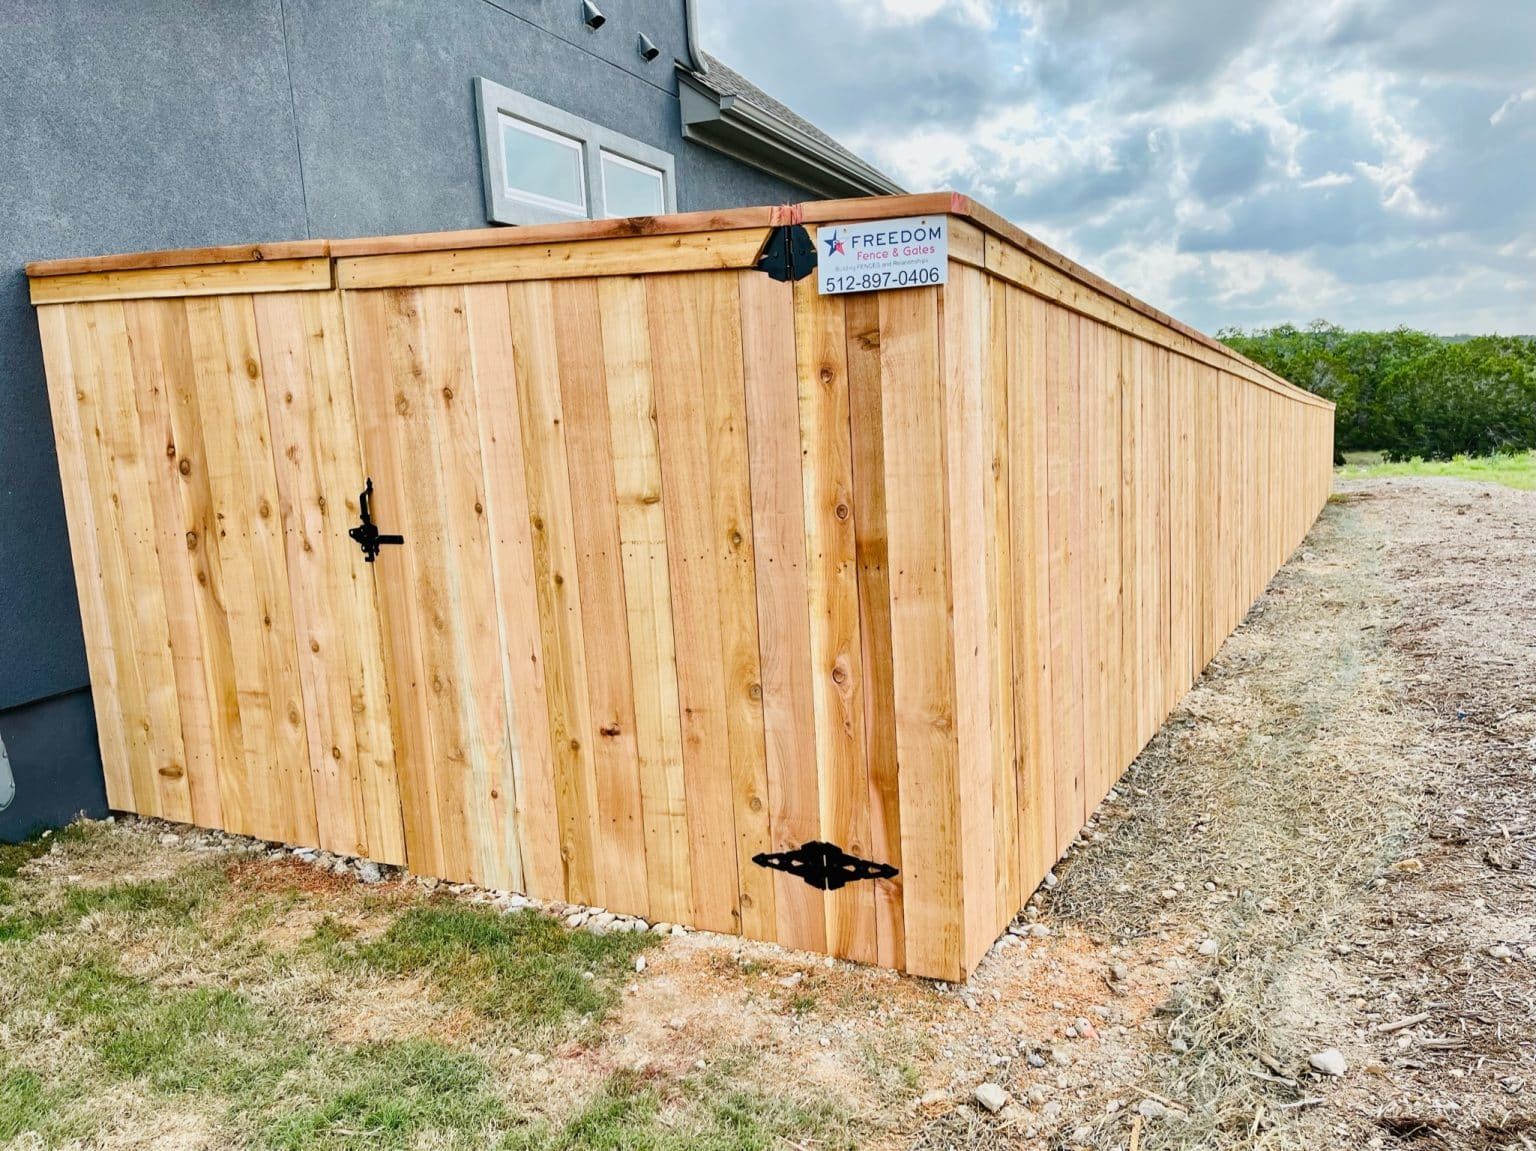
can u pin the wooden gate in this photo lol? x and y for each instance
(210, 455)
(572, 630)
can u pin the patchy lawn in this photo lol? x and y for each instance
(1331, 845)
(166, 989)
(1515, 470)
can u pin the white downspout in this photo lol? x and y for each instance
(7, 780)
(695, 59)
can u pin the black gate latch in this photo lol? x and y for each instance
(824, 865)
(788, 253)
(367, 533)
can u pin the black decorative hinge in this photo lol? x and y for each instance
(788, 254)
(824, 865)
(367, 533)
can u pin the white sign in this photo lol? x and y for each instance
(912, 252)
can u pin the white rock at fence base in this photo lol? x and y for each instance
(992, 1097)
(1152, 1109)
(1329, 1062)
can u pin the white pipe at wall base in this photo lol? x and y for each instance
(7, 780)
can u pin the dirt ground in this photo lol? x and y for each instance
(1331, 846)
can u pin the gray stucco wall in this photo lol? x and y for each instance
(128, 125)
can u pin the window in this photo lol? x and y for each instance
(544, 168)
(542, 164)
(631, 189)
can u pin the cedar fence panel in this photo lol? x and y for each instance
(698, 564)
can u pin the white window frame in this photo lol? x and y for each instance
(561, 208)
(508, 206)
(625, 162)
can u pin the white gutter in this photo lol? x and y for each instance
(740, 129)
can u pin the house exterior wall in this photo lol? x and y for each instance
(143, 124)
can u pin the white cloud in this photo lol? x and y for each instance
(1512, 105)
(977, 12)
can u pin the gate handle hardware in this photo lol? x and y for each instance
(824, 865)
(367, 533)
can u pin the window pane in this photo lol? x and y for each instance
(631, 189)
(544, 167)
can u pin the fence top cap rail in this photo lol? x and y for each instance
(681, 223)
(181, 258)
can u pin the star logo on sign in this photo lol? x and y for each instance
(834, 245)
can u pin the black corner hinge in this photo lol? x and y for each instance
(788, 253)
(824, 865)
(367, 533)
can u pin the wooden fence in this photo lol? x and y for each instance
(698, 564)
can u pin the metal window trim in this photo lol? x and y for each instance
(493, 101)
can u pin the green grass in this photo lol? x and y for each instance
(168, 898)
(1512, 471)
(175, 1039)
(166, 901)
(627, 1114)
(524, 967)
(404, 1095)
(22, 926)
(26, 1104)
(389, 1095)
(14, 856)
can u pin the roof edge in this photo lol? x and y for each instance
(740, 129)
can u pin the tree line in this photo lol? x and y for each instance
(1406, 393)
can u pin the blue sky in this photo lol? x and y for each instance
(1248, 162)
